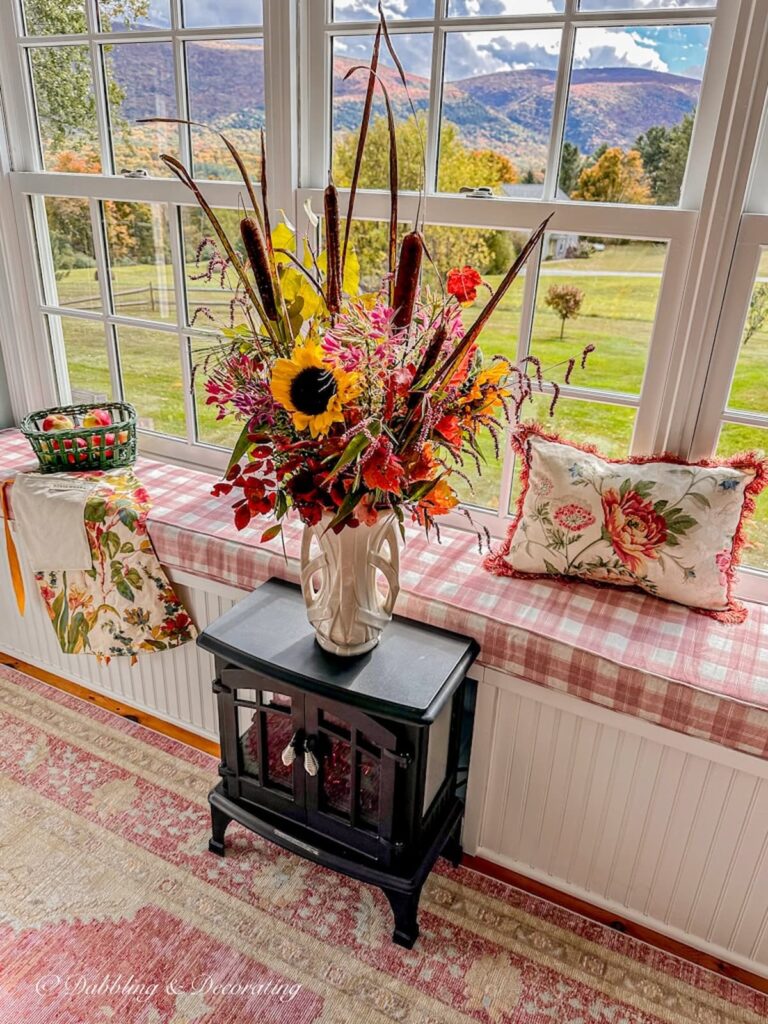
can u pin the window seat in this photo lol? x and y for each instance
(635, 654)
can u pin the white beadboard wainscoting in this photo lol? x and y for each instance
(664, 829)
(667, 830)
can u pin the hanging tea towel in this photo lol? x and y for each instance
(49, 511)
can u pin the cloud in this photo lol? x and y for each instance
(488, 8)
(521, 53)
(414, 50)
(363, 10)
(606, 47)
(209, 13)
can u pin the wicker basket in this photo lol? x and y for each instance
(83, 448)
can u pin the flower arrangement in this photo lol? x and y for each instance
(353, 405)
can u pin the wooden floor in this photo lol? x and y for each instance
(485, 867)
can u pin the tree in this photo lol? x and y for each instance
(64, 96)
(665, 155)
(570, 167)
(488, 251)
(565, 300)
(758, 312)
(615, 177)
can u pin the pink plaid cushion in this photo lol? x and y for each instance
(624, 651)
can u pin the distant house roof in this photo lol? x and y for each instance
(532, 191)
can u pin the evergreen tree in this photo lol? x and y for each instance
(570, 167)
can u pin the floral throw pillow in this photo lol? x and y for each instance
(670, 528)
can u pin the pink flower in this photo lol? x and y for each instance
(723, 563)
(573, 517)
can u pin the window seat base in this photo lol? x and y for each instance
(635, 654)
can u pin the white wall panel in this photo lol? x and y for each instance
(173, 685)
(665, 829)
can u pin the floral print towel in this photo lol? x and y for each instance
(125, 604)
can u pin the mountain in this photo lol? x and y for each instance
(509, 111)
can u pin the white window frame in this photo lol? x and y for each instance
(676, 401)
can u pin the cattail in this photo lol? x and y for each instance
(332, 249)
(257, 255)
(407, 281)
(432, 352)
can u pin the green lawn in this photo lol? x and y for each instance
(616, 316)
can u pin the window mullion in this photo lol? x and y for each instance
(560, 103)
(180, 84)
(527, 311)
(105, 291)
(280, 103)
(98, 72)
(177, 261)
(434, 112)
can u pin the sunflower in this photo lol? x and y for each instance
(311, 390)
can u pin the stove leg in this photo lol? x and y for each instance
(219, 822)
(405, 907)
(452, 850)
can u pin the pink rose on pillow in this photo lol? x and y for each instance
(723, 563)
(635, 528)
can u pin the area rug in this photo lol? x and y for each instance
(113, 912)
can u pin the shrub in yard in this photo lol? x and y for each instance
(565, 300)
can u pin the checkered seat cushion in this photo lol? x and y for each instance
(626, 651)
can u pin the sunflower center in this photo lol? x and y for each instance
(312, 390)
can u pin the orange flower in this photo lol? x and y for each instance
(382, 468)
(440, 500)
(423, 466)
(450, 428)
(463, 283)
(635, 528)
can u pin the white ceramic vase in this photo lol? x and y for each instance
(340, 575)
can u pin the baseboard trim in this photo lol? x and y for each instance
(117, 707)
(617, 922)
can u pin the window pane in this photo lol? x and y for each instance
(236, 108)
(607, 427)
(631, 103)
(151, 372)
(67, 17)
(209, 13)
(209, 292)
(490, 8)
(66, 109)
(119, 16)
(85, 351)
(640, 5)
(395, 10)
(140, 83)
(140, 266)
(748, 390)
(602, 292)
(497, 110)
(75, 280)
(415, 53)
(210, 359)
(736, 438)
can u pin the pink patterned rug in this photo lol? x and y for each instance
(113, 912)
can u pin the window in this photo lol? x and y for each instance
(612, 113)
(125, 309)
(546, 107)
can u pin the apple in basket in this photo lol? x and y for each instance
(97, 418)
(57, 421)
(79, 443)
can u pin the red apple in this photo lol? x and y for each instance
(97, 418)
(57, 421)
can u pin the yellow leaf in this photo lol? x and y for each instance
(295, 286)
(351, 283)
(282, 238)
